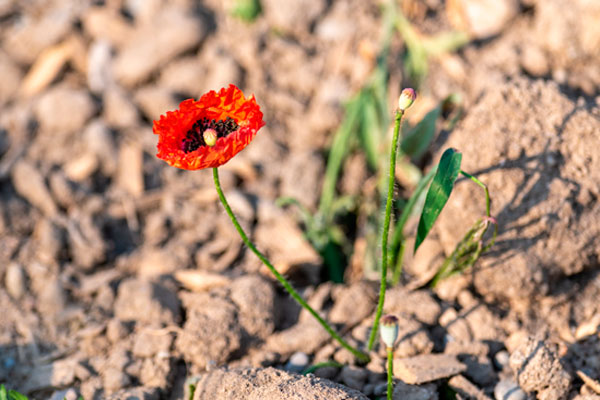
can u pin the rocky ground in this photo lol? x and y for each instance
(122, 277)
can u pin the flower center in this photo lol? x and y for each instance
(194, 138)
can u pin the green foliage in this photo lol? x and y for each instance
(10, 394)
(246, 10)
(439, 192)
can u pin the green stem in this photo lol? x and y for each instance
(359, 355)
(390, 372)
(487, 193)
(386, 228)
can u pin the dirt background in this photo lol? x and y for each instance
(122, 278)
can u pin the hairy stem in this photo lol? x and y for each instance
(390, 372)
(359, 355)
(386, 228)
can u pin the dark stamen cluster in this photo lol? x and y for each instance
(194, 139)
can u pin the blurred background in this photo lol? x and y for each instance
(85, 205)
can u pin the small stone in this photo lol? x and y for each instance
(155, 372)
(353, 377)
(130, 174)
(29, 183)
(14, 281)
(60, 373)
(146, 302)
(534, 60)
(538, 369)
(150, 342)
(81, 167)
(184, 75)
(11, 77)
(46, 68)
(403, 391)
(211, 333)
(154, 100)
(255, 298)
(297, 362)
(426, 368)
(353, 303)
(116, 330)
(464, 387)
(105, 24)
(501, 359)
(306, 336)
(28, 37)
(99, 57)
(62, 110)
(171, 32)
(137, 393)
(481, 18)
(507, 389)
(52, 298)
(114, 379)
(119, 110)
(99, 140)
(66, 394)
(399, 300)
(200, 281)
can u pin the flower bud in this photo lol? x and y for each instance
(210, 137)
(389, 330)
(407, 97)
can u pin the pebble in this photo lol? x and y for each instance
(65, 394)
(130, 174)
(54, 110)
(15, 281)
(46, 68)
(297, 362)
(353, 377)
(481, 18)
(154, 101)
(426, 368)
(507, 389)
(99, 57)
(402, 391)
(146, 302)
(114, 379)
(171, 32)
(119, 111)
(501, 359)
(29, 183)
(352, 304)
(11, 77)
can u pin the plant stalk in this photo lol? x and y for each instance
(390, 372)
(386, 228)
(359, 355)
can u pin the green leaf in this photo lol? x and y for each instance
(246, 10)
(438, 193)
(417, 140)
(14, 395)
(3, 395)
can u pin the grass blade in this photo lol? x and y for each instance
(439, 192)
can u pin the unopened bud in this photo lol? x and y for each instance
(210, 137)
(407, 97)
(389, 330)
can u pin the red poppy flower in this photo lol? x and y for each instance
(227, 114)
